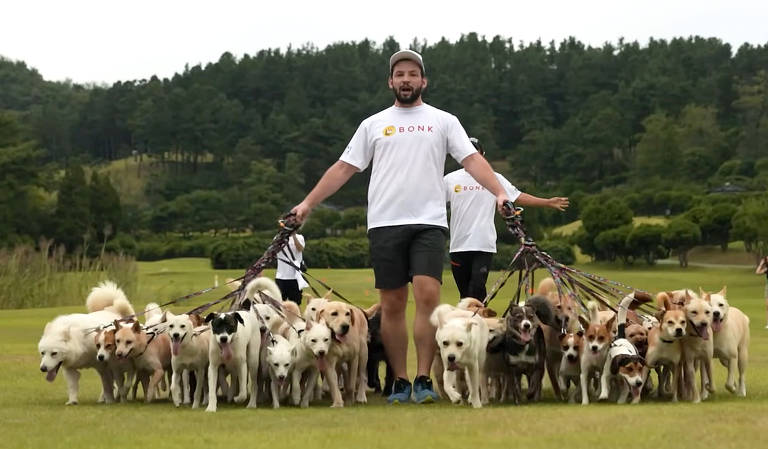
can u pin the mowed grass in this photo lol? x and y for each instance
(33, 414)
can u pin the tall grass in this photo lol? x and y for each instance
(50, 277)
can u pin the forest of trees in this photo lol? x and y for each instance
(655, 125)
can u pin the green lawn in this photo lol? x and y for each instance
(32, 412)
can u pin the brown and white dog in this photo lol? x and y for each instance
(664, 345)
(730, 327)
(566, 319)
(121, 368)
(349, 349)
(151, 353)
(597, 340)
(569, 370)
(623, 363)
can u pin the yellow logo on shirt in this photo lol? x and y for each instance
(457, 188)
(389, 131)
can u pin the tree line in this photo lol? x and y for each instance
(236, 142)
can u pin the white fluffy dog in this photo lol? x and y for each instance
(189, 351)
(281, 355)
(462, 337)
(731, 339)
(314, 345)
(67, 342)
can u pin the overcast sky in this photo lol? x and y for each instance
(110, 40)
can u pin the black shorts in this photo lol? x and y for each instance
(400, 252)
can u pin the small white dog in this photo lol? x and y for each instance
(314, 345)
(462, 337)
(68, 343)
(281, 355)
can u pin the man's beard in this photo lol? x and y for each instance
(409, 98)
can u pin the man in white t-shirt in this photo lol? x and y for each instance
(288, 278)
(473, 234)
(407, 223)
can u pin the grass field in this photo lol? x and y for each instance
(32, 412)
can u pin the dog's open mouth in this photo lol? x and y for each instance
(525, 335)
(452, 366)
(572, 358)
(320, 363)
(226, 351)
(175, 345)
(636, 391)
(339, 338)
(50, 376)
(717, 324)
(703, 331)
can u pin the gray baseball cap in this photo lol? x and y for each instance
(406, 54)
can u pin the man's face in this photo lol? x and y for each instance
(407, 82)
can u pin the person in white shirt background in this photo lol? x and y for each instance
(288, 278)
(407, 145)
(473, 234)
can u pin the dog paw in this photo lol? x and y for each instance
(339, 405)
(240, 398)
(731, 388)
(252, 404)
(71, 403)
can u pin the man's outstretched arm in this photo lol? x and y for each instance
(336, 176)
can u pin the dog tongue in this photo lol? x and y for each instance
(635, 392)
(226, 351)
(704, 331)
(320, 363)
(175, 346)
(51, 375)
(525, 336)
(716, 325)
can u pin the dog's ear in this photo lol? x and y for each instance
(722, 292)
(116, 323)
(561, 336)
(580, 332)
(488, 312)
(308, 325)
(687, 297)
(319, 313)
(611, 323)
(210, 317)
(351, 316)
(136, 328)
(239, 318)
(619, 361)
(667, 304)
(328, 294)
(701, 291)
(471, 323)
(583, 321)
(707, 298)
(196, 319)
(270, 349)
(66, 334)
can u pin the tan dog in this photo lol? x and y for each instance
(731, 339)
(150, 354)
(189, 352)
(105, 352)
(477, 306)
(698, 347)
(664, 345)
(349, 329)
(566, 315)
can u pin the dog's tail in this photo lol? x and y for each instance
(108, 294)
(438, 315)
(262, 283)
(622, 319)
(592, 308)
(373, 310)
(546, 286)
(152, 312)
(543, 309)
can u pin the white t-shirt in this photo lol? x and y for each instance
(408, 147)
(285, 271)
(472, 211)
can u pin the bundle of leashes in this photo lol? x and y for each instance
(576, 284)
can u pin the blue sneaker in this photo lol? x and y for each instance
(423, 393)
(401, 392)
